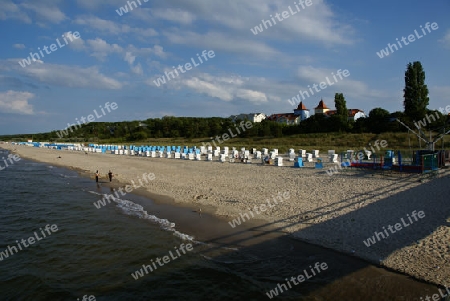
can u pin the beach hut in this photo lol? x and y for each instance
(315, 153)
(332, 156)
(302, 153)
(291, 154)
(318, 164)
(278, 161)
(299, 162)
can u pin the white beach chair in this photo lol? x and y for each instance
(278, 161)
(315, 153)
(302, 153)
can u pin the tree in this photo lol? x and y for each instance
(341, 119)
(378, 120)
(341, 105)
(415, 92)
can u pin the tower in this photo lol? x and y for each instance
(301, 111)
(321, 108)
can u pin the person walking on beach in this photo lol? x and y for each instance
(110, 175)
(96, 176)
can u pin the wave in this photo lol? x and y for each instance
(133, 209)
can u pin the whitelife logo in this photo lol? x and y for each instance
(166, 259)
(244, 126)
(411, 38)
(123, 10)
(423, 123)
(90, 118)
(31, 240)
(359, 156)
(33, 57)
(284, 15)
(295, 101)
(435, 297)
(162, 79)
(281, 197)
(319, 267)
(10, 159)
(107, 197)
(398, 226)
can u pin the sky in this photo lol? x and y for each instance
(89, 54)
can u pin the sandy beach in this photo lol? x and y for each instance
(339, 212)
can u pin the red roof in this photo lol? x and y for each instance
(301, 106)
(351, 112)
(321, 105)
(287, 116)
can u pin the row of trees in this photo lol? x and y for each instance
(379, 120)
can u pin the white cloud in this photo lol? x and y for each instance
(19, 46)
(113, 28)
(12, 11)
(226, 88)
(137, 69)
(173, 15)
(220, 41)
(356, 89)
(251, 95)
(446, 40)
(16, 102)
(317, 22)
(45, 12)
(66, 76)
(74, 43)
(208, 88)
(101, 49)
(129, 58)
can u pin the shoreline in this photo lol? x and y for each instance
(310, 223)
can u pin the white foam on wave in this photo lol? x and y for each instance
(94, 192)
(131, 208)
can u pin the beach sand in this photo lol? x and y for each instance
(338, 212)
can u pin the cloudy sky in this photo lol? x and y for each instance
(103, 54)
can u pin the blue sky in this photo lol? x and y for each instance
(118, 58)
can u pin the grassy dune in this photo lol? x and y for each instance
(321, 141)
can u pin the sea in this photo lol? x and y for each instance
(95, 253)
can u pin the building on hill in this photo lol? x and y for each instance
(300, 114)
(353, 114)
(302, 111)
(253, 117)
(285, 118)
(321, 108)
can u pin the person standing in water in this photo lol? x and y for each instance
(110, 175)
(96, 176)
